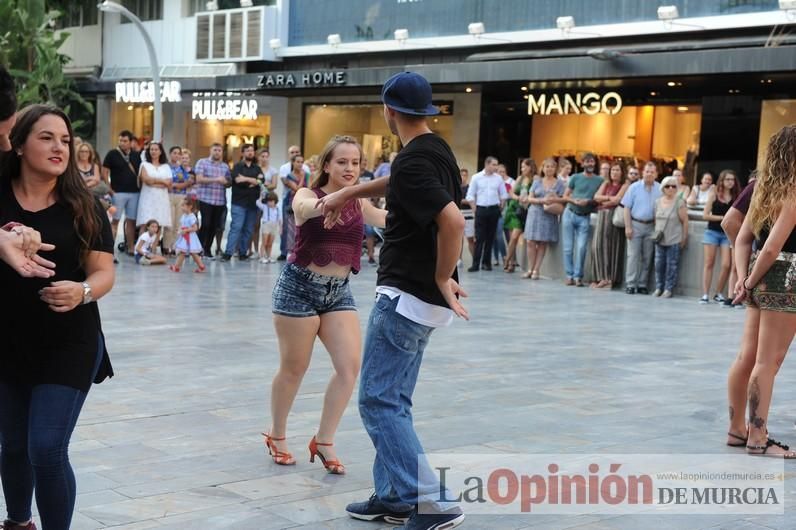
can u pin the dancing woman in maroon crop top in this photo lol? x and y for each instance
(312, 298)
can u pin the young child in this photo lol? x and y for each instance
(270, 224)
(188, 241)
(145, 247)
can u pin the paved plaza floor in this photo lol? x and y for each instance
(173, 441)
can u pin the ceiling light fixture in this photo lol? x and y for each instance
(401, 35)
(333, 40)
(275, 44)
(468, 90)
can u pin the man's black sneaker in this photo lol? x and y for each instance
(243, 257)
(630, 290)
(434, 521)
(643, 290)
(473, 269)
(281, 257)
(226, 257)
(374, 510)
(486, 267)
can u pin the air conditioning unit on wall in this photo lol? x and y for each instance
(230, 35)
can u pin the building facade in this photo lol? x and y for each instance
(695, 85)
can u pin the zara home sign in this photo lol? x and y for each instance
(590, 103)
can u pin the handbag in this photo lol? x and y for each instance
(556, 208)
(618, 219)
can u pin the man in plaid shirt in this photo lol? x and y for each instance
(212, 179)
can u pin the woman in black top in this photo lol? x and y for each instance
(53, 345)
(768, 282)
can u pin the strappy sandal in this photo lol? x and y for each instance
(741, 440)
(283, 458)
(528, 275)
(787, 455)
(335, 467)
(535, 275)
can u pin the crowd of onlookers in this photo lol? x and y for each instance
(173, 207)
(641, 224)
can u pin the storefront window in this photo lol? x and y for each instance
(232, 134)
(666, 134)
(197, 6)
(365, 122)
(775, 114)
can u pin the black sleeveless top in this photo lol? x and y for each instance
(789, 246)
(719, 208)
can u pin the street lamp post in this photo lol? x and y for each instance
(112, 7)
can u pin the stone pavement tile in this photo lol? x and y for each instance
(275, 485)
(670, 522)
(319, 509)
(99, 498)
(160, 506)
(82, 522)
(226, 517)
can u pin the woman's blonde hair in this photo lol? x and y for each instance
(321, 177)
(775, 180)
(92, 155)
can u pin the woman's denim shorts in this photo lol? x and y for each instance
(715, 238)
(299, 292)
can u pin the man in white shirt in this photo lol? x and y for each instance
(292, 151)
(486, 195)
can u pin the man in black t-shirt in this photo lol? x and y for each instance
(121, 166)
(417, 291)
(246, 179)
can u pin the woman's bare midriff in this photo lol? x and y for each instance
(332, 269)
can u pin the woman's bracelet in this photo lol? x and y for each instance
(744, 284)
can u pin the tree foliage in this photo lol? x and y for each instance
(29, 48)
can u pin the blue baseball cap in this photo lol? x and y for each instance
(408, 93)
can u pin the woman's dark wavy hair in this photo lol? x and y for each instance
(70, 189)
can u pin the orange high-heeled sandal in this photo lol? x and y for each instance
(282, 458)
(335, 467)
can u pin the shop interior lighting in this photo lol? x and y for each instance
(789, 7)
(212, 5)
(334, 40)
(246, 3)
(129, 107)
(682, 109)
(524, 88)
(653, 93)
(275, 44)
(468, 90)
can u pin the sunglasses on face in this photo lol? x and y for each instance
(669, 186)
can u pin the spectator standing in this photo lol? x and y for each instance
(720, 199)
(516, 211)
(486, 194)
(608, 244)
(384, 168)
(270, 224)
(639, 205)
(564, 169)
(212, 178)
(120, 168)
(467, 213)
(181, 180)
(501, 235)
(269, 181)
(576, 220)
(541, 226)
(671, 236)
(293, 181)
(370, 232)
(156, 181)
(89, 169)
(284, 170)
(246, 179)
(683, 190)
(700, 193)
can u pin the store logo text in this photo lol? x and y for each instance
(590, 103)
(144, 91)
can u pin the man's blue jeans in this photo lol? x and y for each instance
(393, 352)
(575, 234)
(240, 229)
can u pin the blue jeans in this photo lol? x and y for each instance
(499, 248)
(667, 262)
(576, 242)
(393, 352)
(241, 229)
(36, 424)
